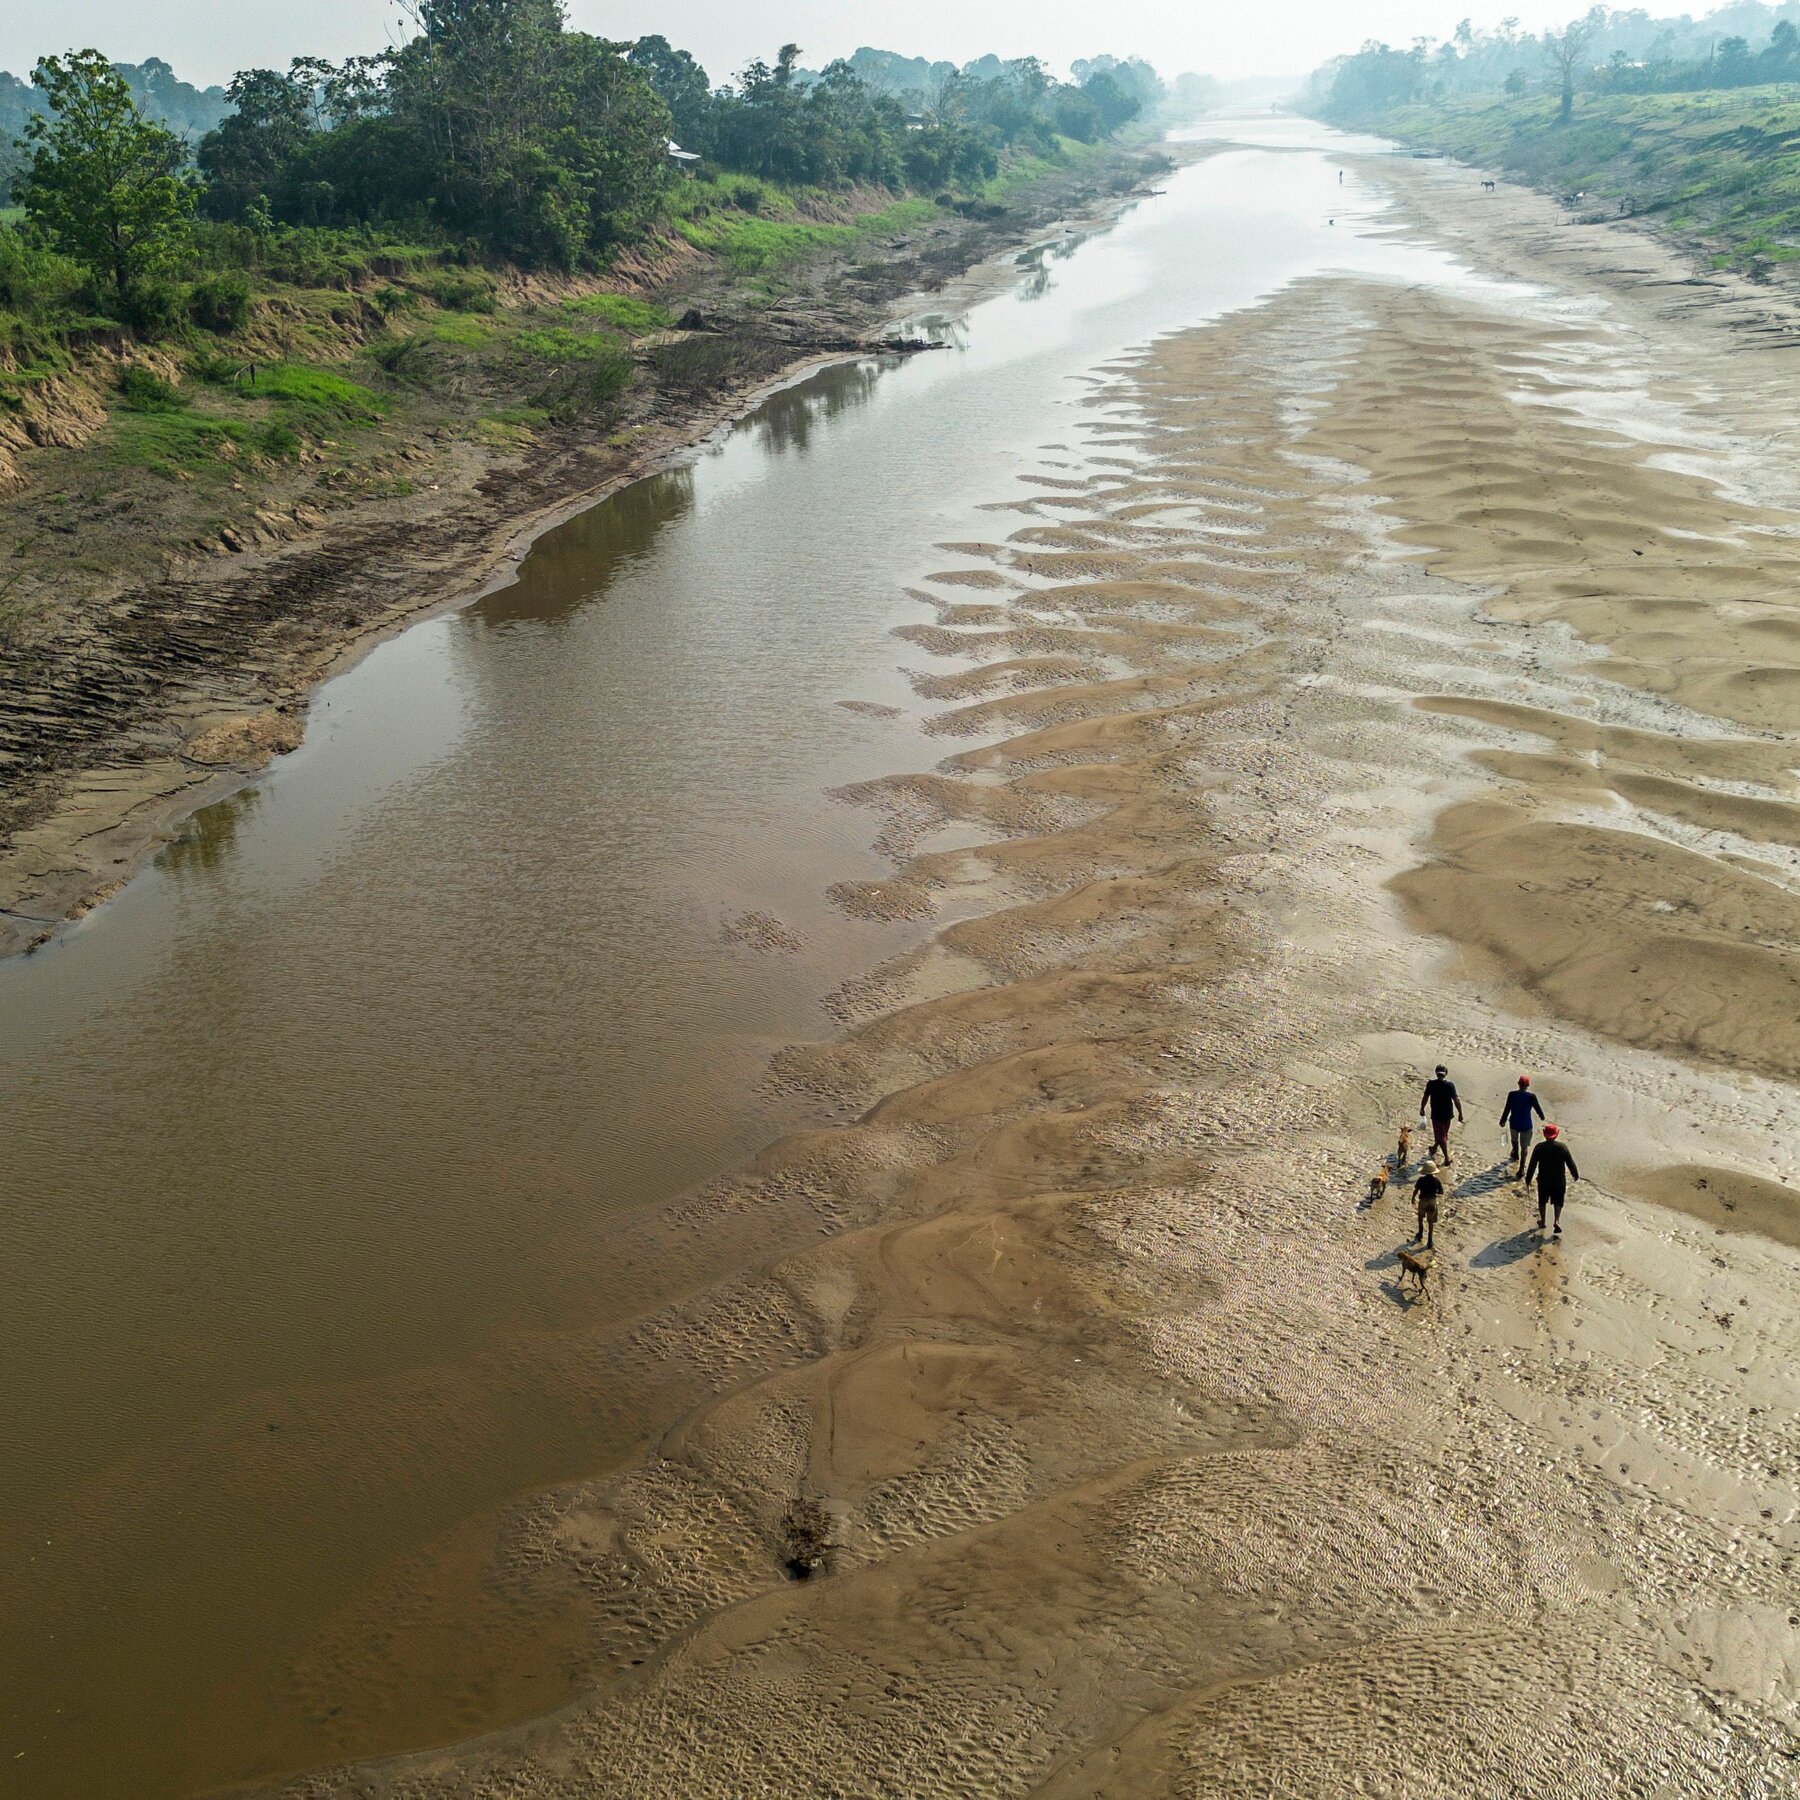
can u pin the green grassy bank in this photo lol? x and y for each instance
(1719, 168)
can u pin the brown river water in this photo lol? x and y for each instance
(329, 1138)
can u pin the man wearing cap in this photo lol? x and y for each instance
(1515, 1114)
(1440, 1098)
(1550, 1165)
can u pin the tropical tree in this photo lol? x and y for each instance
(255, 149)
(1564, 49)
(104, 183)
(680, 83)
(544, 142)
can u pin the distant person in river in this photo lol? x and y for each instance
(1552, 1168)
(1515, 1114)
(1439, 1099)
(1427, 1192)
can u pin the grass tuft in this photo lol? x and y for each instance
(623, 312)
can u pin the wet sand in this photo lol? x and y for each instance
(1384, 676)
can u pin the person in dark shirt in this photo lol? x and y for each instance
(1439, 1098)
(1551, 1167)
(1515, 1114)
(1427, 1192)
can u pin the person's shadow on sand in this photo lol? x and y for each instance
(1503, 1252)
(1485, 1181)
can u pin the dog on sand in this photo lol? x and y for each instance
(1402, 1155)
(1378, 1184)
(1417, 1264)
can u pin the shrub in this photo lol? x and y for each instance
(389, 300)
(700, 365)
(155, 308)
(221, 302)
(145, 391)
(457, 292)
(589, 386)
(404, 358)
(35, 280)
(215, 368)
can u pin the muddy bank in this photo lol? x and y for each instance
(1119, 1460)
(162, 691)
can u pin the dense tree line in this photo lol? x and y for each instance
(495, 123)
(495, 130)
(498, 124)
(1607, 49)
(884, 118)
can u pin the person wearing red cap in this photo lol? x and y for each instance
(1515, 1114)
(1551, 1165)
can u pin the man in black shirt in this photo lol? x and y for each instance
(1440, 1100)
(1551, 1164)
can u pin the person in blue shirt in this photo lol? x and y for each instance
(1515, 1114)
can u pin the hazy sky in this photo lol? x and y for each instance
(206, 40)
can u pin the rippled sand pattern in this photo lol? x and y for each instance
(1130, 1467)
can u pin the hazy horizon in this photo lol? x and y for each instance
(207, 41)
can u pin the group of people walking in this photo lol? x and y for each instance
(1548, 1166)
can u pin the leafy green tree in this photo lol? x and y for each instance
(680, 83)
(545, 142)
(1783, 53)
(104, 183)
(1736, 65)
(256, 148)
(1112, 103)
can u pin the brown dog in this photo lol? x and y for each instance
(1417, 1264)
(1405, 1151)
(1377, 1184)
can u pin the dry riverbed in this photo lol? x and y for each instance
(1384, 676)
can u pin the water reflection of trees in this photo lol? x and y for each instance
(210, 836)
(785, 421)
(584, 555)
(1037, 264)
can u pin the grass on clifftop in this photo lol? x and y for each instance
(1721, 165)
(757, 228)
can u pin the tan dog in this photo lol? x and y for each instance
(1404, 1153)
(1418, 1264)
(1378, 1184)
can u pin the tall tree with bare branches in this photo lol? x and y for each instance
(1564, 49)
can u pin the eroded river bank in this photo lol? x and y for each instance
(1321, 654)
